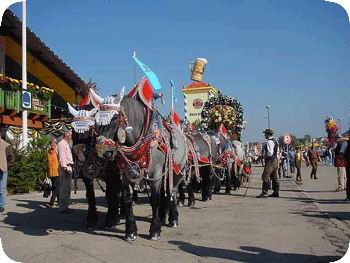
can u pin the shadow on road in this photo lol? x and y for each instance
(250, 254)
(41, 220)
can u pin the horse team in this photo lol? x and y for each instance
(125, 141)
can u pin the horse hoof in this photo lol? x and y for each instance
(91, 225)
(163, 222)
(111, 227)
(181, 204)
(191, 204)
(131, 237)
(154, 236)
(174, 224)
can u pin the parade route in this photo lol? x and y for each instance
(292, 228)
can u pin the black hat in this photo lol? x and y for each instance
(269, 131)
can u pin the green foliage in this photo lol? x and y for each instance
(30, 167)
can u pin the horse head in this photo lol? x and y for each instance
(117, 123)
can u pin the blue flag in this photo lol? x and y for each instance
(150, 75)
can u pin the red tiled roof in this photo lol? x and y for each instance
(197, 84)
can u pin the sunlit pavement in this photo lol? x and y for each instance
(300, 226)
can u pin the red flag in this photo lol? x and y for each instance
(85, 101)
(175, 118)
(223, 130)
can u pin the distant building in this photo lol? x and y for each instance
(195, 95)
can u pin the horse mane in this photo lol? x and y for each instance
(135, 111)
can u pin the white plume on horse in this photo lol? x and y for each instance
(81, 113)
(82, 120)
(107, 107)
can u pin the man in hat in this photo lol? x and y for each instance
(270, 150)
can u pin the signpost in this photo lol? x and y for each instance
(287, 140)
(26, 99)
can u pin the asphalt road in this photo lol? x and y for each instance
(301, 226)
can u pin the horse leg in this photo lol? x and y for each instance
(181, 190)
(120, 204)
(164, 205)
(92, 216)
(190, 191)
(130, 223)
(228, 178)
(206, 185)
(217, 184)
(135, 197)
(156, 226)
(112, 183)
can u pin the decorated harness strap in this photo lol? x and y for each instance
(192, 153)
(206, 138)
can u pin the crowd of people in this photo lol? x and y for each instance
(59, 170)
(281, 161)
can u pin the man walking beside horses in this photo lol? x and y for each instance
(270, 172)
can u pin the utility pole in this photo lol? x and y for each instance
(268, 116)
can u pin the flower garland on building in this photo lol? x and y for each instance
(11, 84)
(223, 109)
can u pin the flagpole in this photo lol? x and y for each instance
(134, 67)
(172, 98)
(24, 71)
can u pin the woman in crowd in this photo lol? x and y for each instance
(52, 170)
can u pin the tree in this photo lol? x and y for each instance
(30, 168)
(307, 140)
(90, 85)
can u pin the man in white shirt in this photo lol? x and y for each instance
(270, 150)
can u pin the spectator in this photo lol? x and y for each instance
(313, 158)
(340, 162)
(298, 158)
(65, 172)
(291, 154)
(306, 159)
(282, 168)
(52, 170)
(347, 158)
(7, 159)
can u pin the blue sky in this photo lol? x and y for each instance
(293, 55)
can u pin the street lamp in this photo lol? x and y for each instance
(268, 115)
